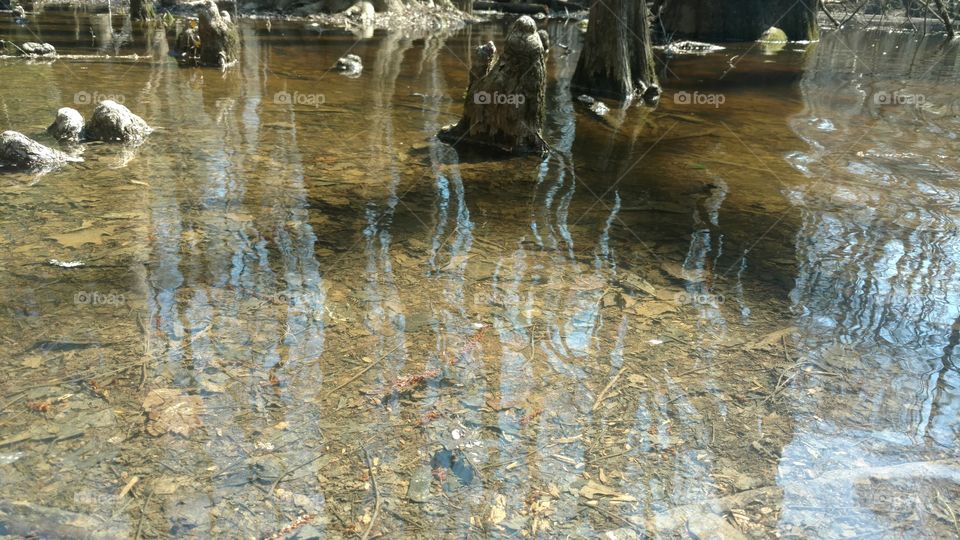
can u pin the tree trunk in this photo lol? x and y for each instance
(504, 105)
(138, 10)
(713, 20)
(509, 7)
(739, 20)
(617, 58)
(944, 15)
(797, 19)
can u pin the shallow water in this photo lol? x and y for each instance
(702, 317)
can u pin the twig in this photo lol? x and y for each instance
(603, 393)
(944, 16)
(608, 456)
(288, 471)
(854, 13)
(702, 368)
(296, 524)
(949, 509)
(143, 510)
(362, 371)
(614, 517)
(376, 493)
(823, 7)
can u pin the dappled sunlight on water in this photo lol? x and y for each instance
(295, 301)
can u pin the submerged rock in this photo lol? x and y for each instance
(32, 48)
(350, 65)
(773, 35)
(599, 108)
(17, 151)
(651, 94)
(112, 122)
(418, 490)
(596, 106)
(68, 126)
(362, 12)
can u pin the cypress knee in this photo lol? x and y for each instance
(504, 105)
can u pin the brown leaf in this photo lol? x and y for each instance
(592, 490)
(170, 411)
(653, 309)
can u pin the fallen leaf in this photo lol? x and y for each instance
(170, 411)
(32, 361)
(634, 282)
(211, 387)
(773, 339)
(653, 309)
(498, 511)
(82, 236)
(592, 490)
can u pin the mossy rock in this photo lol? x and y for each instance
(773, 35)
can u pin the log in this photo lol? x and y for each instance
(43, 50)
(507, 7)
(561, 5)
(504, 105)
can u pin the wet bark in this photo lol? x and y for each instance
(509, 7)
(617, 57)
(187, 45)
(138, 9)
(219, 40)
(944, 15)
(504, 105)
(797, 19)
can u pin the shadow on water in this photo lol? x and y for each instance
(733, 313)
